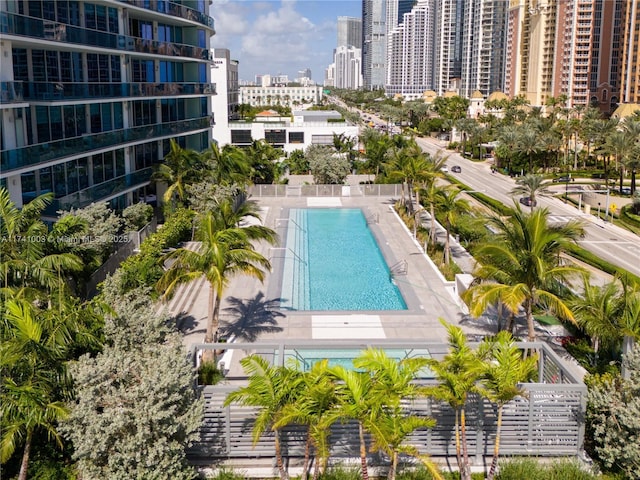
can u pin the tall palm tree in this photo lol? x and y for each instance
(501, 379)
(522, 266)
(528, 143)
(180, 168)
(531, 185)
(224, 252)
(457, 374)
(271, 389)
(450, 207)
(619, 145)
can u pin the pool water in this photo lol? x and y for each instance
(335, 264)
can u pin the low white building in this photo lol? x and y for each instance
(305, 129)
(278, 95)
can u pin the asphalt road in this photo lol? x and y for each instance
(609, 242)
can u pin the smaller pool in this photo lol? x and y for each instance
(344, 357)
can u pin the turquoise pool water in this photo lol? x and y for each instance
(334, 264)
(305, 358)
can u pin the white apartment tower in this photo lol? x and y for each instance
(348, 67)
(484, 28)
(410, 71)
(448, 52)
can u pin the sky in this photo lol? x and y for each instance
(280, 37)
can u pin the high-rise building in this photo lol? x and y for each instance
(630, 52)
(374, 43)
(348, 68)
(349, 32)
(449, 44)
(92, 93)
(410, 71)
(483, 33)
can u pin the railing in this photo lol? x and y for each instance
(14, 24)
(369, 190)
(549, 421)
(100, 191)
(44, 152)
(36, 91)
(11, 92)
(400, 268)
(174, 9)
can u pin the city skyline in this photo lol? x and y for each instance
(280, 37)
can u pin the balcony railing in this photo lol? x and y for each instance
(174, 9)
(35, 91)
(11, 92)
(13, 24)
(95, 193)
(46, 152)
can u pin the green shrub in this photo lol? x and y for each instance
(137, 216)
(341, 473)
(225, 474)
(422, 473)
(532, 469)
(208, 374)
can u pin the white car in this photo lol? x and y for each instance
(444, 169)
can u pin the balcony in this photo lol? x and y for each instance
(11, 92)
(33, 155)
(20, 25)
(175, 10)
(46, 91)
(109, 189)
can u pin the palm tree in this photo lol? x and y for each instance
(272, 389)
(457, 374)
(180, 168)
(24, 261)
(355, 402)
(224, 252)
(35, 347)
(528, 143)
(531, 185)
(228, 165)
(522, 266)
(450, 206)
(314, 407)
(392, 382)
(598, 310)
(501, 379)
(618, 145)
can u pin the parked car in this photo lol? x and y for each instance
(564, 179)
(625, 190)
(528, 202)
(444, 169)
(456, 169)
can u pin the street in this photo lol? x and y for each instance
(609, 242)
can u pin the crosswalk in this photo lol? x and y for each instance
(559, 219)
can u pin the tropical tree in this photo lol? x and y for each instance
(501, 379)
(355, 402)
(376, 146)
(451, 109)
(531, 185)
(224, 252)
(180, 168)
(450, 207)
(35, 345)
(227, 165)
(263, 161)
(457, 374)
(528, 142)
(314, 407)
(619, 146)
(271, 389)
(522, 266)
(393, 382)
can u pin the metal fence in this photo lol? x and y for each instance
(365, 190)
(548, 421)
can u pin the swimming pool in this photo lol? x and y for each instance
(334, 264)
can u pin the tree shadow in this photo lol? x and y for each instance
(252, 317)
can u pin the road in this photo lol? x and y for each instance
(609, 242)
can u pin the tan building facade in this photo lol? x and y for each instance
(630, 52)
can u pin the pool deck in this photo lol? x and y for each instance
(427, 295)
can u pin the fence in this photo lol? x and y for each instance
(548, 421)
(124, 250)
(367, 190)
